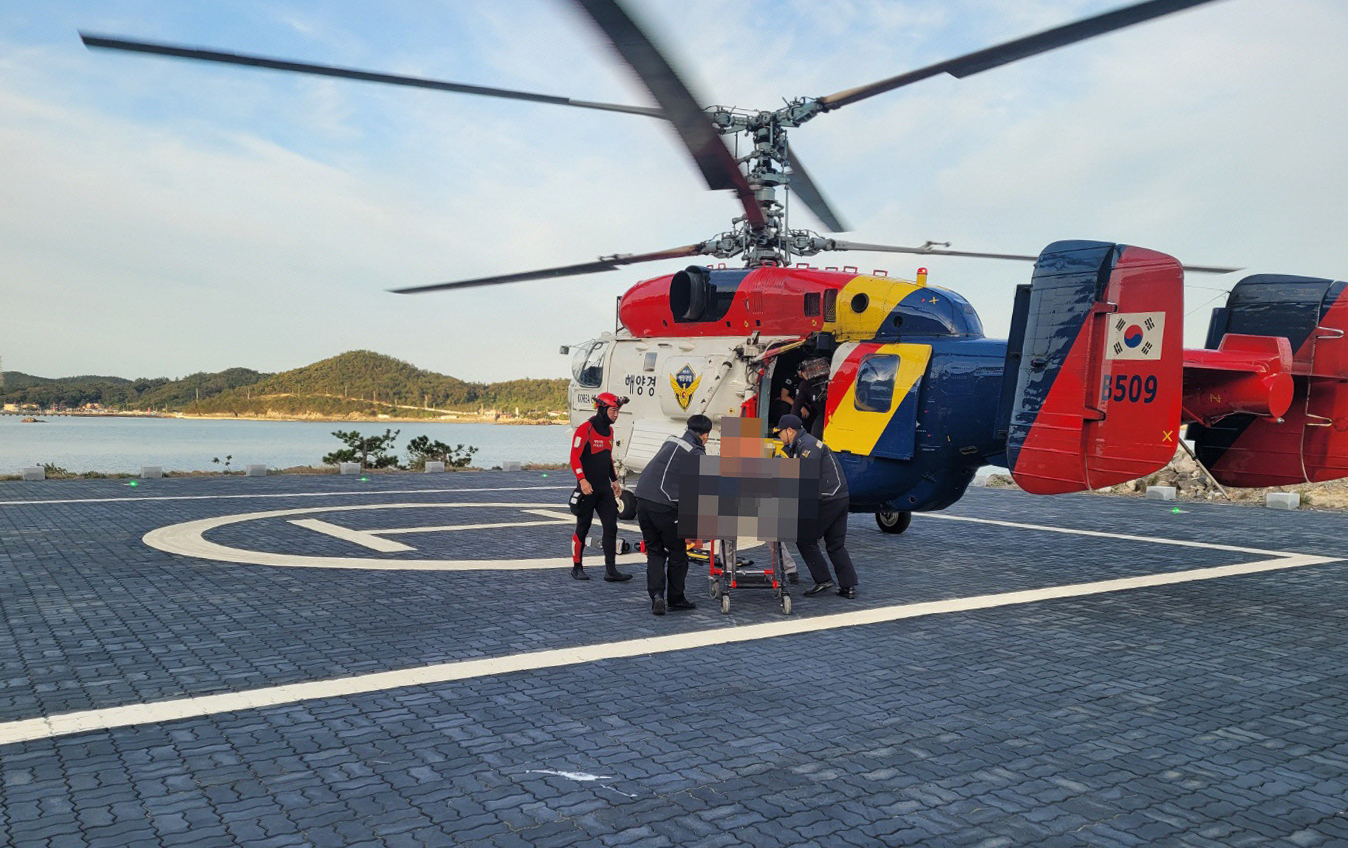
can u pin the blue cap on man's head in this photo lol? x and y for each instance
(790, 422)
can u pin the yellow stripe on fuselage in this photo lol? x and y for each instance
(882, 295)
(857, 431)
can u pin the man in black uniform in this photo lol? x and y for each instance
(811, 395)
(658, 515)
(833, 501)
(592, 463)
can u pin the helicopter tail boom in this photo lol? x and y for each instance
(1308, 442)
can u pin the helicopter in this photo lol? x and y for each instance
(1090, 389)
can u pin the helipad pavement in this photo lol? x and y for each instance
(404, 660)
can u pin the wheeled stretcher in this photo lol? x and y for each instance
(727, 571)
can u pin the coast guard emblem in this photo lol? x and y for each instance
(684, 383)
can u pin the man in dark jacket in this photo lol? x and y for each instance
(833, 501)
(592, 463)
(658, 515)
(811, 395)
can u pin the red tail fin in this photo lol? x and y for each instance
(1097, 398)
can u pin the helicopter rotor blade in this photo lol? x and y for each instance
(199, 54)
(934, 251)
(1021, 48)
(805, 189)
(681, 107)
(924, 250)
(604, 263)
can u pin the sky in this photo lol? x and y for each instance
(160, 217)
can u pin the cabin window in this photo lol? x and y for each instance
(587, 366)
(811, 304)
(875, 382)
(831, 305)
(648, 363)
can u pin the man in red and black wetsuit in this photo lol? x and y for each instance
(592, 462)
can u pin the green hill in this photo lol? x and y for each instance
(72, 391)
(354, 384)
(181, 393)
(366, 383)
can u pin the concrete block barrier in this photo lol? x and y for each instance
(434, 467)
(1160, 493)
(151, 472)
(34, 472)
(512, 466)
(350, 468)
(1283, 500)
(257, 471)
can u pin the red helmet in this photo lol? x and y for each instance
(609, 399)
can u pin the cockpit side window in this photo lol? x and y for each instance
(875, 382)
(587, 365)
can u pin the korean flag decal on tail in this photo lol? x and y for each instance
(1135, 335)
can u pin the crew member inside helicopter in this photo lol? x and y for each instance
(785, 384)
(785, 398)
(597, 480)
(811, 394)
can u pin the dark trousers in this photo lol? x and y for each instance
(833, 529)
(606, 505)
(666, 553)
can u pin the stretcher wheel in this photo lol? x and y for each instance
(714, 588)
(786, 604)
(725, 605)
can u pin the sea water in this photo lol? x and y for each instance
(123, 444)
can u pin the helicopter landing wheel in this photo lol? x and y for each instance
(627, 506)
(725, 605)
(895, 521)
(714, 588)
(786, 604)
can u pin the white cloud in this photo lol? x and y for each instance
(174, 218)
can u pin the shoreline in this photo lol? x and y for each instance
(294, 470)
(557, 419)
(465, 418)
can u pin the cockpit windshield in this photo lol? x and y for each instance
(587, 364)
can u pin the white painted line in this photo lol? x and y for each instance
(553, 513)
(137, 714)
(571, 519)
(367, 493)
(449, 528)
(187, 539)
(359, 537)
(1123, 536)
(553, 518)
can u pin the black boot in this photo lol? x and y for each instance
(613, 575)
(578, 572)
